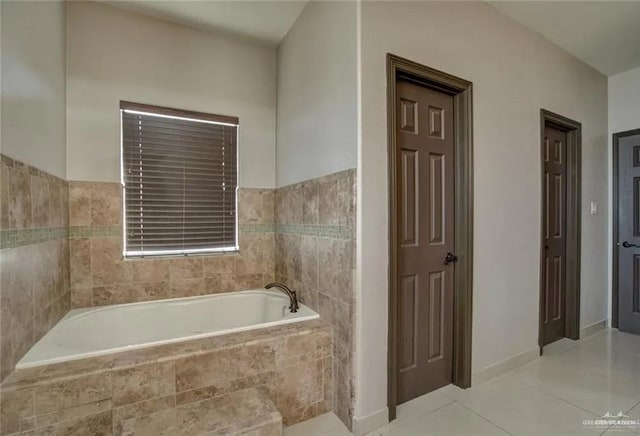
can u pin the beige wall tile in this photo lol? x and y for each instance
(251, 360)
(59, 204)
(268, 203)
(94, 424)
(35, 278)
(188, 287)
(300, 389)
(281, 205)
(4, 197)
(80, 203)
(130, 292)
(310, 208)
(216, 265)
(39, 202)
(295, 205)
(251, 258)
(335, 265)
(321, 269)
(309, 262)
(123, 415)
(72, 392)
(221, 283)
(47, 276)
(251, 281)
(204, 417)
(19, 200)
(72, 412)
(186, 268)
(206, 370)
(81, 297)
(158, 423)
(328, 204)
(346, 201)
(107, 266)
(250, 206)
(139, 398)
(150, 270)
(143, 382)
(267, 381)
(45, 319)
(106, 203)
(80, 262)
(14, 406)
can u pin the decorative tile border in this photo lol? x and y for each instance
(94, 231)
(257, 228)
(22, 237)
(320, 230)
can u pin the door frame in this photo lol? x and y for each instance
(573, 129)
(615, 290)
(461, 90)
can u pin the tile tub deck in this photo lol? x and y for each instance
(174, 383)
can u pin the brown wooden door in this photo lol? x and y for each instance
(554, 212)
(425, 224)
(629, 234)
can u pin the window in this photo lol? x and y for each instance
(180, 179)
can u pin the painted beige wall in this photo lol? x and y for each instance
(317, 103)
(624, 114)
(514, 73)
(33, 84)
(118, 55)
(624, 101)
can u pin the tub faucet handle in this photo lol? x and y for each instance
(293, 298)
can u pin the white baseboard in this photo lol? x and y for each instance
(593, 328)
(495, 370)
(369, 423)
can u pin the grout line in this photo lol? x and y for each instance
(557, 397)
(633, 407)
(428, 412)
(485, 419)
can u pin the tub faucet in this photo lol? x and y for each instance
(293, 298)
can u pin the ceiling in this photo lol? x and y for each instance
(603, 34)
(265, 20)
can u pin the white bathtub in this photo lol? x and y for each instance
(96, 331)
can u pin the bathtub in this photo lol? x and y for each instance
(96, 331)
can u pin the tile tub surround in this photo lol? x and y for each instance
(315, 254)
(174, 385)
(100, 275)
(34, 257)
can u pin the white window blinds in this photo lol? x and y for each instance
(180, 176)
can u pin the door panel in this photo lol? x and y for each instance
(425, 215)
(629, 232)
(554, 212)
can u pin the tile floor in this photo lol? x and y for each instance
(574, 381)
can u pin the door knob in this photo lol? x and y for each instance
(450, 257)
(627, 244)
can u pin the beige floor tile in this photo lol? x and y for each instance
(523, 410)
(323, 425)
(586, 389)
(422, 405)
(573, 381)
(449, 420)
